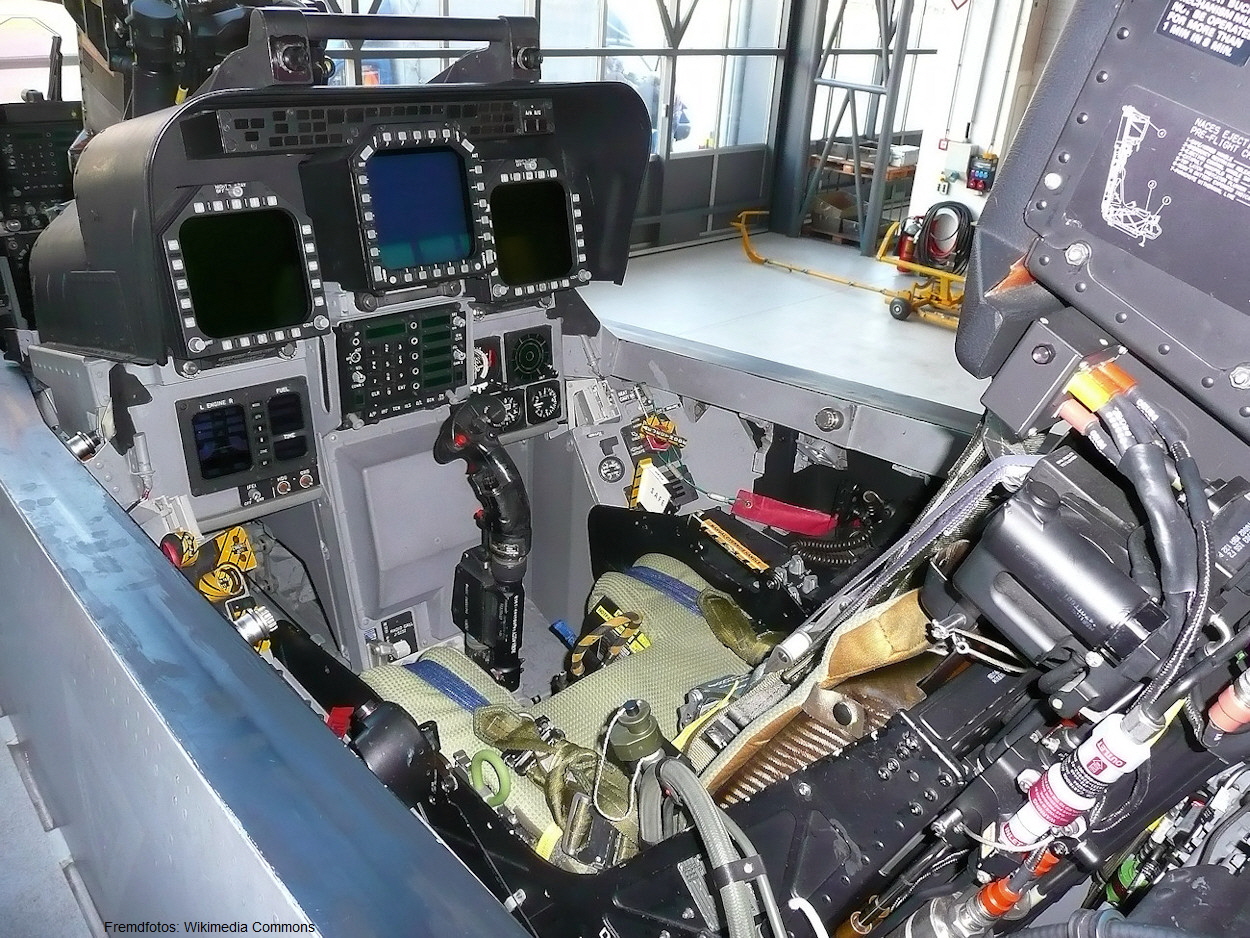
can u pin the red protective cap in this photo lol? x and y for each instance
(338, 719)
(782, 515)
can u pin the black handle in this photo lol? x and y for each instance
(360, 27)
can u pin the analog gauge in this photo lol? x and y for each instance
(486, 358)
(611, 469)
(481, 365)
(511, 412)
(542, 402)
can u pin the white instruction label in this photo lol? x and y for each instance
(1217, 27)
(1217, 158)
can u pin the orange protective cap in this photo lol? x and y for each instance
(998, 898)
(1045, 864)
(1228, 713)
(1117, 375)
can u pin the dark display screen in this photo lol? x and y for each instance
(532, 234)
(221, 443)
(382, 332)
(245, 271)
(286, 413)
(420, 206)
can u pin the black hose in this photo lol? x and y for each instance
(1189, 635)
(1141, 564)
(1088, 924)
(1205, 668)
(1192, 484)
(1135, 420)
(1171, 429)
(1174, 540)
(1176, 437)
(1117, 425)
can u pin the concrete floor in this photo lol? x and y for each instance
(709, 294)
(712, 294)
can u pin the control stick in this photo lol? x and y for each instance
(489, 598)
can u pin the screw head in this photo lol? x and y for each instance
(1239, 377)
(829, 419)
(804, 790)
(1044, 354)
(1077, 253)
(915, 808)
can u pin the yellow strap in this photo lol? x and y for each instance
(690, 731)
(547, 842)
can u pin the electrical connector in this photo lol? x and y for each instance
(1111, 371)
(1091, 389)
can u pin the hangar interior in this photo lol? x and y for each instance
(624, 468)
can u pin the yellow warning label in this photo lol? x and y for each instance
(731, 544)
(221, 583)
(234, 546)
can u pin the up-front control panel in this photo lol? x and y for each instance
(401, 362)
(258, 440)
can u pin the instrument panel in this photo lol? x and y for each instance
(257, 440)
(519, 370)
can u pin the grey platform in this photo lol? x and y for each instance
(711, 295)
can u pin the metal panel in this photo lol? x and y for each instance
(740, 174)
(688, 182)
(169, 752)
(910, 432)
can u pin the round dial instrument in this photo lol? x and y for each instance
(611, 469)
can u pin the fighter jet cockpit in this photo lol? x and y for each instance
(359, 577)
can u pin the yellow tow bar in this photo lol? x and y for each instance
(936, 298)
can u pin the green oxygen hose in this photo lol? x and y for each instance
(502, 773)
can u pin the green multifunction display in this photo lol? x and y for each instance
(400, 362)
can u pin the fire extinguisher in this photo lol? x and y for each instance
(907, 241)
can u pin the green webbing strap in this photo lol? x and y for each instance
(570, 768)
(733, 629)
